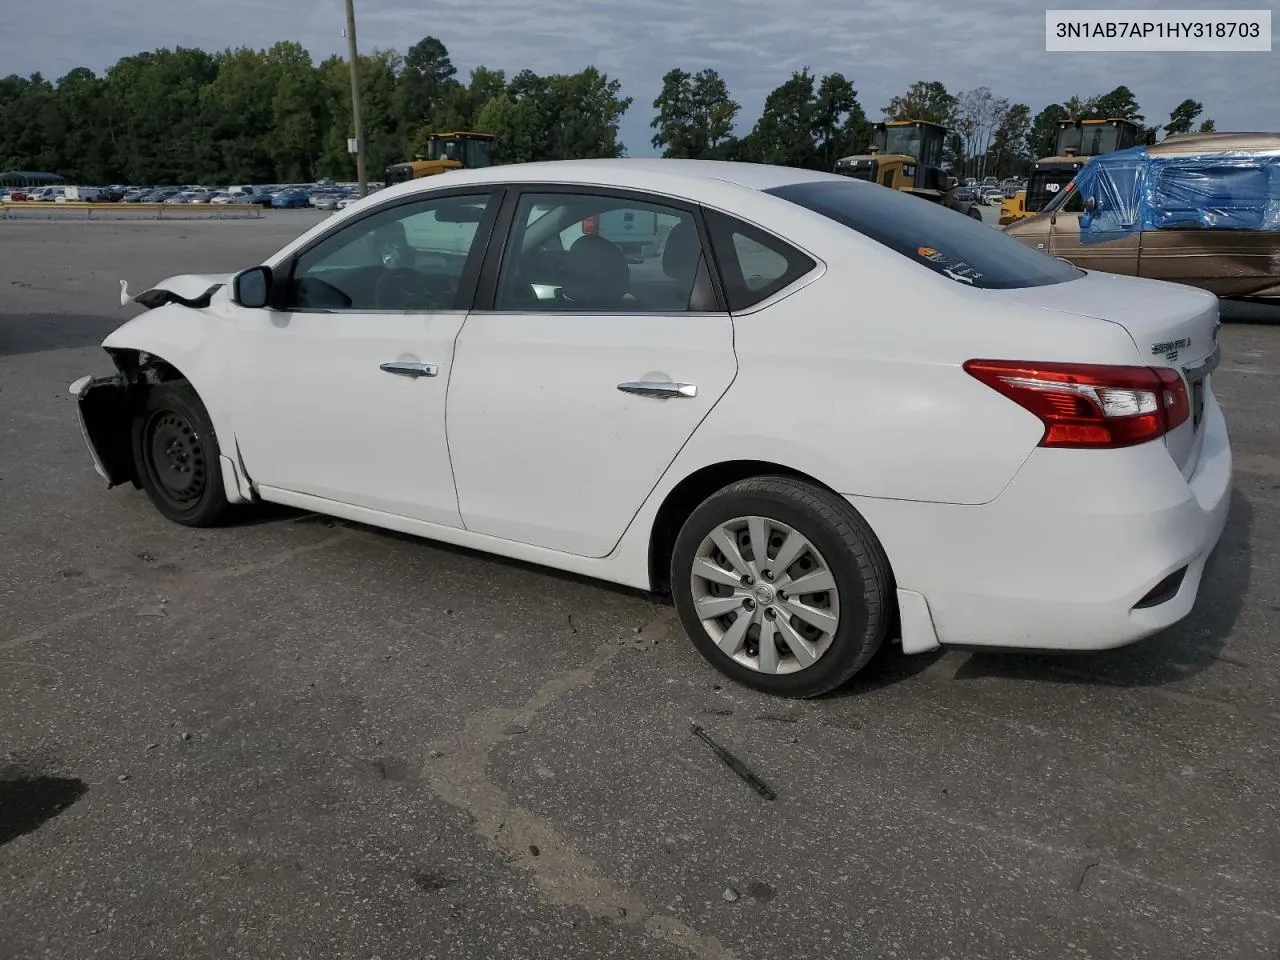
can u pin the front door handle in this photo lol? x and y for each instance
(410, 369)
(658, 388)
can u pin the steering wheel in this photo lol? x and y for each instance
(390, 253)
(403, 289)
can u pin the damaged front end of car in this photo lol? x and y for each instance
(107, 405)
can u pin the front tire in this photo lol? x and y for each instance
(177, 457)
(806, 618)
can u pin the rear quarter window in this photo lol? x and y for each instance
(754, 265)
(949, 243)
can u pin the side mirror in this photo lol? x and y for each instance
(252, 288)
(1090, 204)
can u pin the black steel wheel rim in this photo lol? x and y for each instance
(175, 457)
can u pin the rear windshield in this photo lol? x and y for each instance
(947, 242)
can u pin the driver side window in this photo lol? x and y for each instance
(409, 257)
(1074, 202)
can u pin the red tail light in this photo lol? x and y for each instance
(590, 226)
(1091, 405)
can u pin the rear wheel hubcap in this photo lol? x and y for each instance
(765, 595)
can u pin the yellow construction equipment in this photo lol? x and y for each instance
(461, 150)
(1077, 142)
(908, 155)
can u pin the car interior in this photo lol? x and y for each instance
(558, 262)
(381, 268)
(560, 265)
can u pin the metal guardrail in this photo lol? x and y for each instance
(66, 210)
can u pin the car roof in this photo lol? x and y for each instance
(640, 172)
(1186, 144)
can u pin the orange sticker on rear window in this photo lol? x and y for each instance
(926, 251)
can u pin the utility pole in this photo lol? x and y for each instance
(357, 120)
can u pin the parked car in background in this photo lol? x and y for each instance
(290, 198)
(76, 194)
(1200, 209)
(252, 194)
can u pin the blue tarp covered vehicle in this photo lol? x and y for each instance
(1133, 190)
(1201, 209)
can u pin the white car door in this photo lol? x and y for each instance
(341, 389)
(577, 385)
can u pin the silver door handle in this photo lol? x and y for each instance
(658, 388)
(411, 369)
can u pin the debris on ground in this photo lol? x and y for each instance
(736, 765)
(730, 895)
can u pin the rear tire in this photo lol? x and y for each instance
(738, 611)
(177, 457)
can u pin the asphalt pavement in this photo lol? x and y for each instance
(296, 737)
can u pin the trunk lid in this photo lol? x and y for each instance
(1172, 325)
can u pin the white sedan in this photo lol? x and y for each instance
(822, 415)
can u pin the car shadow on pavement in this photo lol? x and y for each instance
(888, 667)
(1187, 648)
(27, 801)
(37, 332)
(1249, 312)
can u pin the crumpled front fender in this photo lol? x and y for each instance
(104, 409)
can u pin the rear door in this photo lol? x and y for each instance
(580, 377)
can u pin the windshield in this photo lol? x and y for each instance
(481, 153)
(944, 241)
(1098, 139)
(920, 142)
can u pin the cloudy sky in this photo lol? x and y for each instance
(882, 45)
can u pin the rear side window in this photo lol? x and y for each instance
(945, 241)
(755, 265)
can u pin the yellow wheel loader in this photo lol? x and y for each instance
(908, 155)
(1077, 142)
(446, 151)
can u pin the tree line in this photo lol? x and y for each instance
(275, 116)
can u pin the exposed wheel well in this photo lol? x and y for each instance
(109, 409)
(142, 369)
(684, 499)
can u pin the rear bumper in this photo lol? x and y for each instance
(1063, 557)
